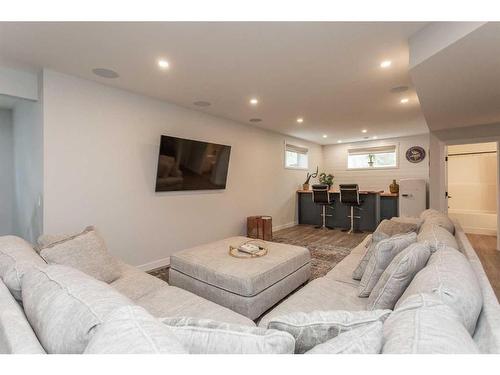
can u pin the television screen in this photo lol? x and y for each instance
(185, 164)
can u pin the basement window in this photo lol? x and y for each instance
(372, 157)
(296, 157)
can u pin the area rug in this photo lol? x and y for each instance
(323, 256)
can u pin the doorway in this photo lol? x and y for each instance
(472, 187)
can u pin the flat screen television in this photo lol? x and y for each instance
(185, 164)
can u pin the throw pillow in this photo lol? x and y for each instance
(132, 330)
(393, 227)
(383, 254)
(86, 252)
(411, 220)
(358, 272)
(441, 220)
(398, 276)
(426, 213)
(64, 306)
(449, 276)
(423, 324)
(436, 236)
(366, 339)
(204, 336)
(314, 328)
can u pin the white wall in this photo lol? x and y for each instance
(100, 154)
(28, 169)
(6, 173)
(18, 84)
(335, 162)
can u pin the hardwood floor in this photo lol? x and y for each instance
(486, 249)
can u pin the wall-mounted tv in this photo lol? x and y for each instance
(185, 164)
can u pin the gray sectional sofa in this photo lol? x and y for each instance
(466, 299)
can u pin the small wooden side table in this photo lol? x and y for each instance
(260, 227)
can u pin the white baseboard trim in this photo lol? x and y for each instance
(484, 231)
(155, 264)
(284, 226)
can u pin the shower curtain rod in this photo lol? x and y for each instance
(473, 153)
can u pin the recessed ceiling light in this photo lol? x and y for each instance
(105, 73)
(255, 120)
(300, 120)
(325, 136)
(364, 131)
(163, 64)
(254, 101)
(385, 64)
(404, 100)
(375, 137)
(339, 141)
(202, 103)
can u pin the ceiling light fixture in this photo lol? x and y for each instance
(339, 141)
(255, 120)
(300, 120)
(385, 64)
(105, 73)
(254, 101)
(325, 136)
(375, 137)
(364, 131)
(202, 103)
(404, 100)
(163, 64)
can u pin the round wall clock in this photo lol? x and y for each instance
(415, 154)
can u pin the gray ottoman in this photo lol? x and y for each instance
(247, 286)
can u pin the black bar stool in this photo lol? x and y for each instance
(321, 196)
(349, 195)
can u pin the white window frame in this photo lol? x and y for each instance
(299, 150)
(373, 149)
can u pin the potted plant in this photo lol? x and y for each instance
(326, 179)
(305, 185)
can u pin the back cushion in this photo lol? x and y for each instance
(64, 306)
(423, 324)
(132, 330)
(440, 220)
(15, 256)
(382, 256)
(393, 227)
(436, 237)
(449, 276)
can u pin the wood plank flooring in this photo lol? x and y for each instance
(486, 249)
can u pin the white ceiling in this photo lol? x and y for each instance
(459, 86)
(327, 73)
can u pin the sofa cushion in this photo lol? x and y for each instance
(132, 330)
(366, 339)
(383, 253)
(409, 220)
(440, 220)
(437, 237)
(312, 328)
(15, 256)
(170, 301)
(86, 252)
(320, 294)
(394, 227)
(204, 336)
(376, 237)
(135, 283)
(423, 324)
(48, 239)
(449, 276)
(398, 275)
(428, 212)
(64, 306)
(16, 334)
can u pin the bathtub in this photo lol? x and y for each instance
(477, 222)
